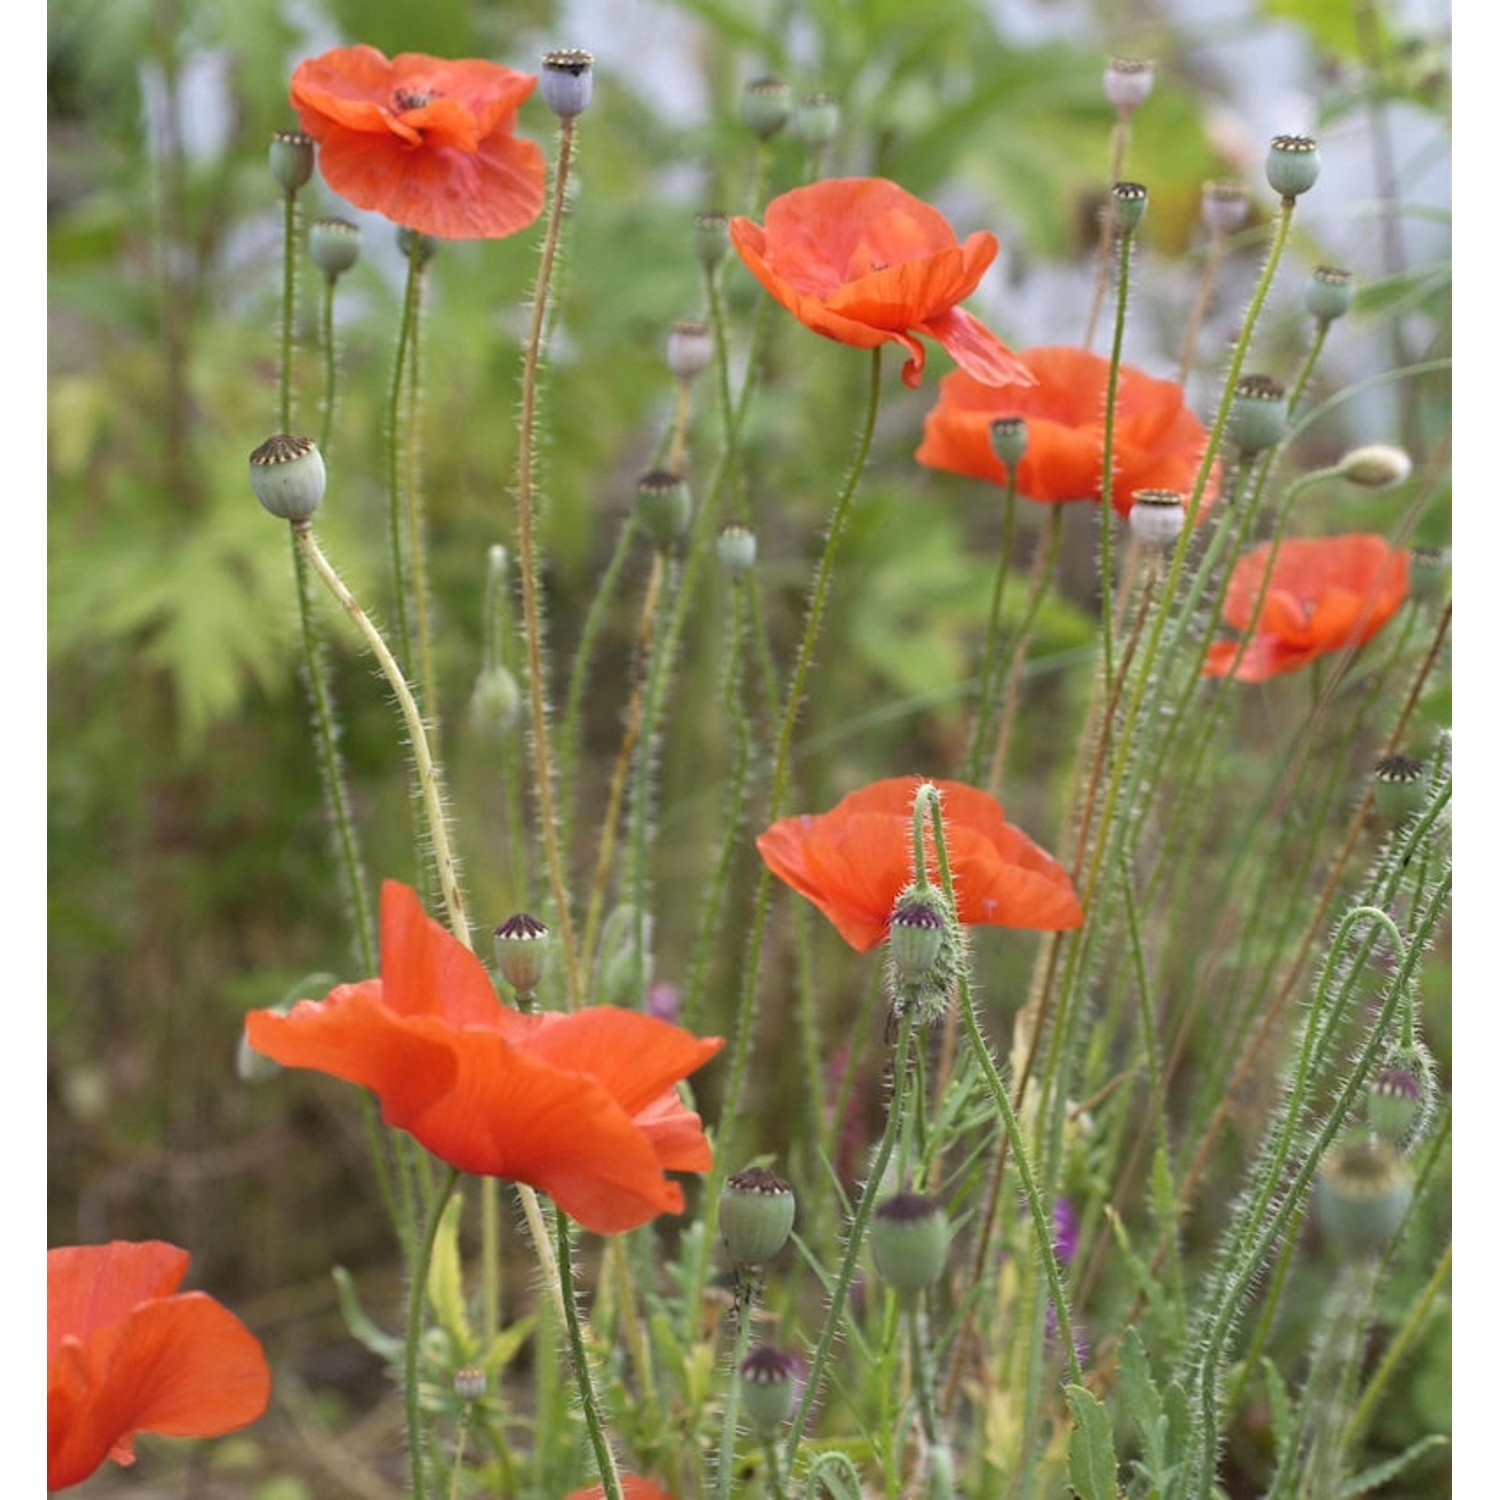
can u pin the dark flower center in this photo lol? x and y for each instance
(404, 99)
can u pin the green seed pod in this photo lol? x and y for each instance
(664, 505)
(1157, 518)
(1330, 293)
(1127, 202)
(690, 349)
(1257, 414)
(736, 549)
(924, 953)
(288, 477)
(766, 106)
(469, 1383)
(333, 245)
(567, 81)
(1224, 206)
(756, 1211)
(1127, 82)
(522, 944)
(1430, 569)
(1363, 1191)
(1400, 787)
(291, 159)
(818, 121)
(909, 1240)
(710, 237)
(1008, 439)
(1393, 1102)
(416, 247)
(1292, 164)
(768, 1387)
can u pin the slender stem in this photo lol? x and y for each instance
(588, 1398)
(1107, 483)
(744, 1301)
(988, 675)
(1217, 247)
(330, 366)
(396, 525)
(416, 1304)
(288, 306)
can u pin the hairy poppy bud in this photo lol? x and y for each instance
(1127, 82)
(664, 505)
(288, 476)
(522, 943)
(1363, 1192)
(690, 349)
(925, 950)
(469, 1383)
(1330, 293)
(766, 105)
(567, 81)
(768, 1387)
(756, 1210)
(1008, 440)
(1157, 517)
(1127, 202)
(909, 1240)
(333, 245)
(818, 121)
(1225, 206)
(291, 159)
(1292, 164)
(736, 549)
(495, 703)
(1393, 1101)
(1377, 466)
(1257, 413)
(1400, 789)
(711, 237)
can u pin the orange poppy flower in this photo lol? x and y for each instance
(1158, 441)
(582, 1107)
(852, 863)
(632, 1486)
(425, 142)
(1325, 593)
(861, 261)
(127, 1353)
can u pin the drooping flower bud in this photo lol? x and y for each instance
(1127, 205)
(495, 704)
(736, 548)
(690, 349)
(711, 237)
(522, 943)
(291, 159)
(1157, 517)
(567, 81)
(756, 1212)
(1225, 206)
(1399, 785)
(1364, 1189)
(768, 1387)
(1330, 293)
(1127, 82)
(664, 505)
(1377, 466)
(469, 1383)
(333, 245)
(1292, 164)
(766, 105)
(1008, 437)
(909, 1240)
(818, 121)
(288, 477)
(1257, 413)
(1393, 1102)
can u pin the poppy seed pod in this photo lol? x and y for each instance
(1377, 466)
(1127, 82)
(1364, 1189)
(818, 121)
(926, 953)
(288, 477)
(736, 549)
(1127, 203)
(756, 1211)
(916, 937)
(909, 1240)
(1399, 786)
(768, 1387)
(416, 247)
(1292, 164)
(1225, 206)
(710, 237)
(469, 1383)
(1257, 414)
(1430, 567)
(522, 943)
(291, 159)
(333, 245)
(1157, 517)
(1393, 1101)
(1008, 439)
(766, 106)
(690, 349)
(1330, 293)
(567, 81)
(664, 505)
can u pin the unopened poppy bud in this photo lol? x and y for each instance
(495, 703)
(1292, 164)
(690, 349)
(1157, 517)
(291, 159)
(567, 81)
(1008, 439)
(1377, 466)
(1330, 293)
(664, 505)
(909, 1240)
(1399, 785)
(1127, 201)
(736, 548)
(1257, 413)
(766, 105)
(1363, 1192)
(1225, 206)
(756, 1211)
(711, 237)
(288, 476)
(469, 1383)
(1393, 1101)
(1127, 82)
(768, 1387)
(522, 943)
(924, 953)
(818, 121)
(333, 245)
(418, 248)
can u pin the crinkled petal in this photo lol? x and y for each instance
(975, 349)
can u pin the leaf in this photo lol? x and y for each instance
(1143, 1401)
(445, 1277)
(358, 1322)
(1382, 1473)
(1283, 1428)
(1092, 1469)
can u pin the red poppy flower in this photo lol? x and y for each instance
(861, 261)
(582, 1107)
(1158, 441)
(1325, 593)
(425, 142)
(852, 863)
(632, 1486)
(127, 1353)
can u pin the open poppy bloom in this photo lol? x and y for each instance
(425, 142)
(1325, 593)
(1158, 441)
(127, 1353)
(861, 261)
(852, 863)
(582, 1107)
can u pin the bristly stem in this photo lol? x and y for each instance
(547, 813)
(588, 1398)
(330, 366)
(988, 673)
(396, 522)
(1107, 482)
(416, 1303)
(288, 307)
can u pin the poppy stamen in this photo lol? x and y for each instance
(406, 99)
